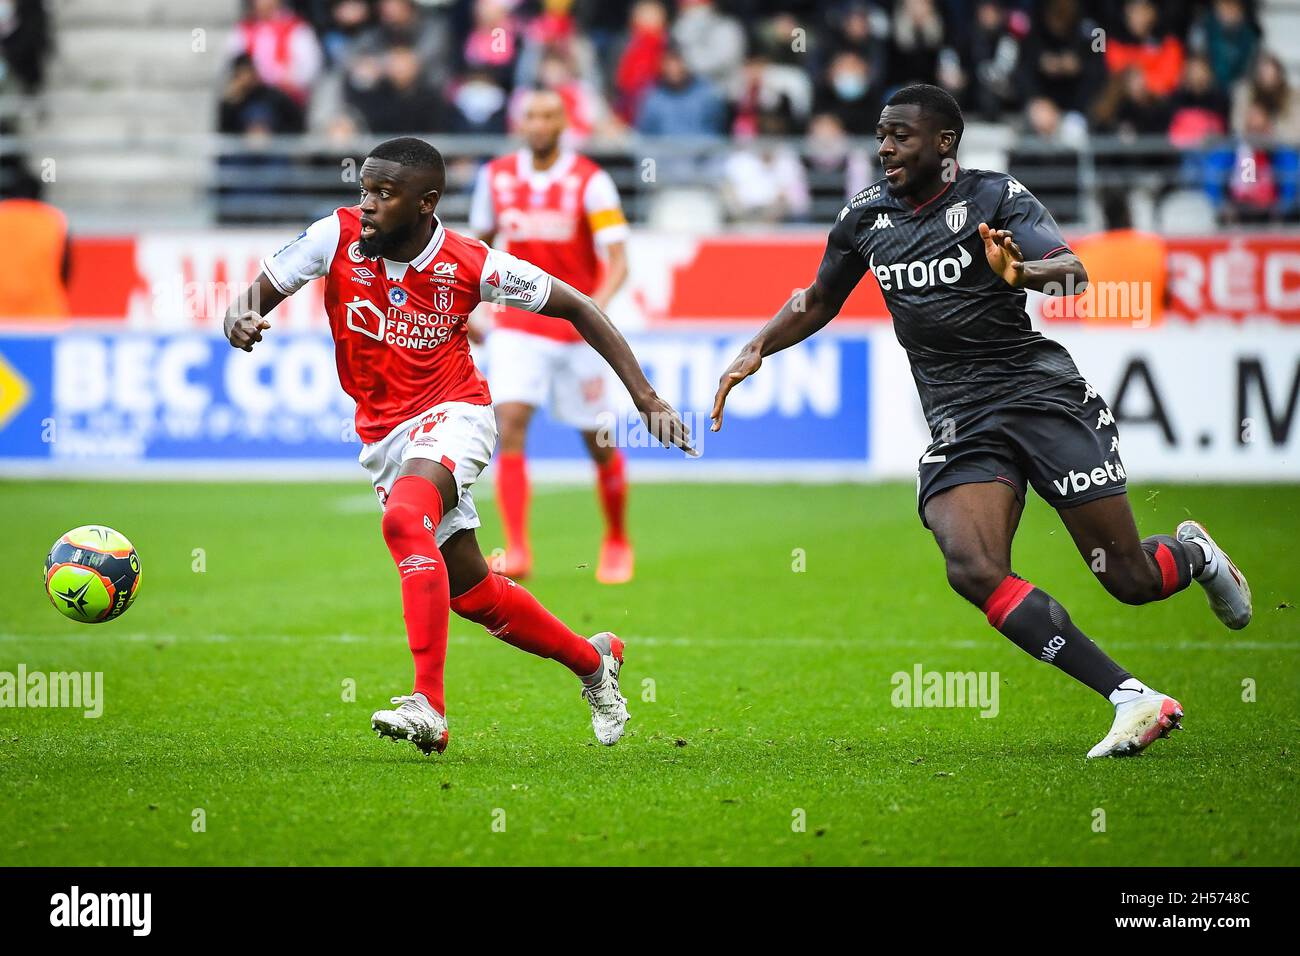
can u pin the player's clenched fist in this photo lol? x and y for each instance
(745, 365)
(245, 329)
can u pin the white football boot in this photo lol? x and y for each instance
(1139, 722)
(608, 706)
(1224, 585)
(414, 720)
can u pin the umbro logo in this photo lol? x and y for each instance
(417, 562)
(883, 222)
(363, 272)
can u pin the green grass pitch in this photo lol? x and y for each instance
(771, 692)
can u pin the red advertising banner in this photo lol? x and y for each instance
(181, 280)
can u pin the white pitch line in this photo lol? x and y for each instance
(635, 640)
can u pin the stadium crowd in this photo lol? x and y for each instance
(1195, 74)
(1197, 77)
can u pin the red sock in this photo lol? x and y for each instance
(611, 482)
(509, 612)
(512, 498)
(413, 510)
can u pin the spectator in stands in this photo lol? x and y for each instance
(765, 183)
(282, 45)
(834, 167)
(1058, 60)
(1268, 87)
(918, 36)
(1157, 56)
(584, 104)
(848, 93)
(33, 283)
(251, 108)
(681, 104)
(711, 43)
(638, 67)
(493, 40)
(1047, 161)
(860, 28)
(347, 20)
(1128, 107)
(555, 30)
(763, 86)
(24, 44)
(992, 60)
(1228, 39)
(478, 105)
(402, 101)
(403, 25)
(1198, 109)
(1256, 181)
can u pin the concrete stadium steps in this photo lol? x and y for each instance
(133, 59)
(121, 71)
(146, 14)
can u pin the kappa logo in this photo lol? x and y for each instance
(1088, 392)
(1078, 481)
(1014, 188)
(883, 221)
(417, 562)
(445, 268)
(955, 216)
(1104, 417)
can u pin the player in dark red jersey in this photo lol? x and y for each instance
(399, 288)
(954, 251)
(561, 212)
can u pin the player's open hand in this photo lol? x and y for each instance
(665, 424)
(746, 364)
(1004, 256)
(246, 330)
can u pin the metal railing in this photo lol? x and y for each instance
(215, 180)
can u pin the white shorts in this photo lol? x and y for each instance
(459, 435)
(568, 379)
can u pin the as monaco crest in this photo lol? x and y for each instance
(955, 216)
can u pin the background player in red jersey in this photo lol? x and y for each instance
(399, 289)
(559, 211)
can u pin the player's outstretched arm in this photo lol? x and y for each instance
(1059, 275)
(246, 318)
(566, 302)
(807, 311)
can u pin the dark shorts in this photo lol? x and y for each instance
(1062, 440)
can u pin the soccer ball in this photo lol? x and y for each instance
(92, 574)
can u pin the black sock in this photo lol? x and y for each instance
(1179, 563)
(1032, 620)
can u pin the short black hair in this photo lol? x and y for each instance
(934, 101)
(410, 151)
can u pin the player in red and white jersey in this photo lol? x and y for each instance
(560, 211)
(399, 288)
